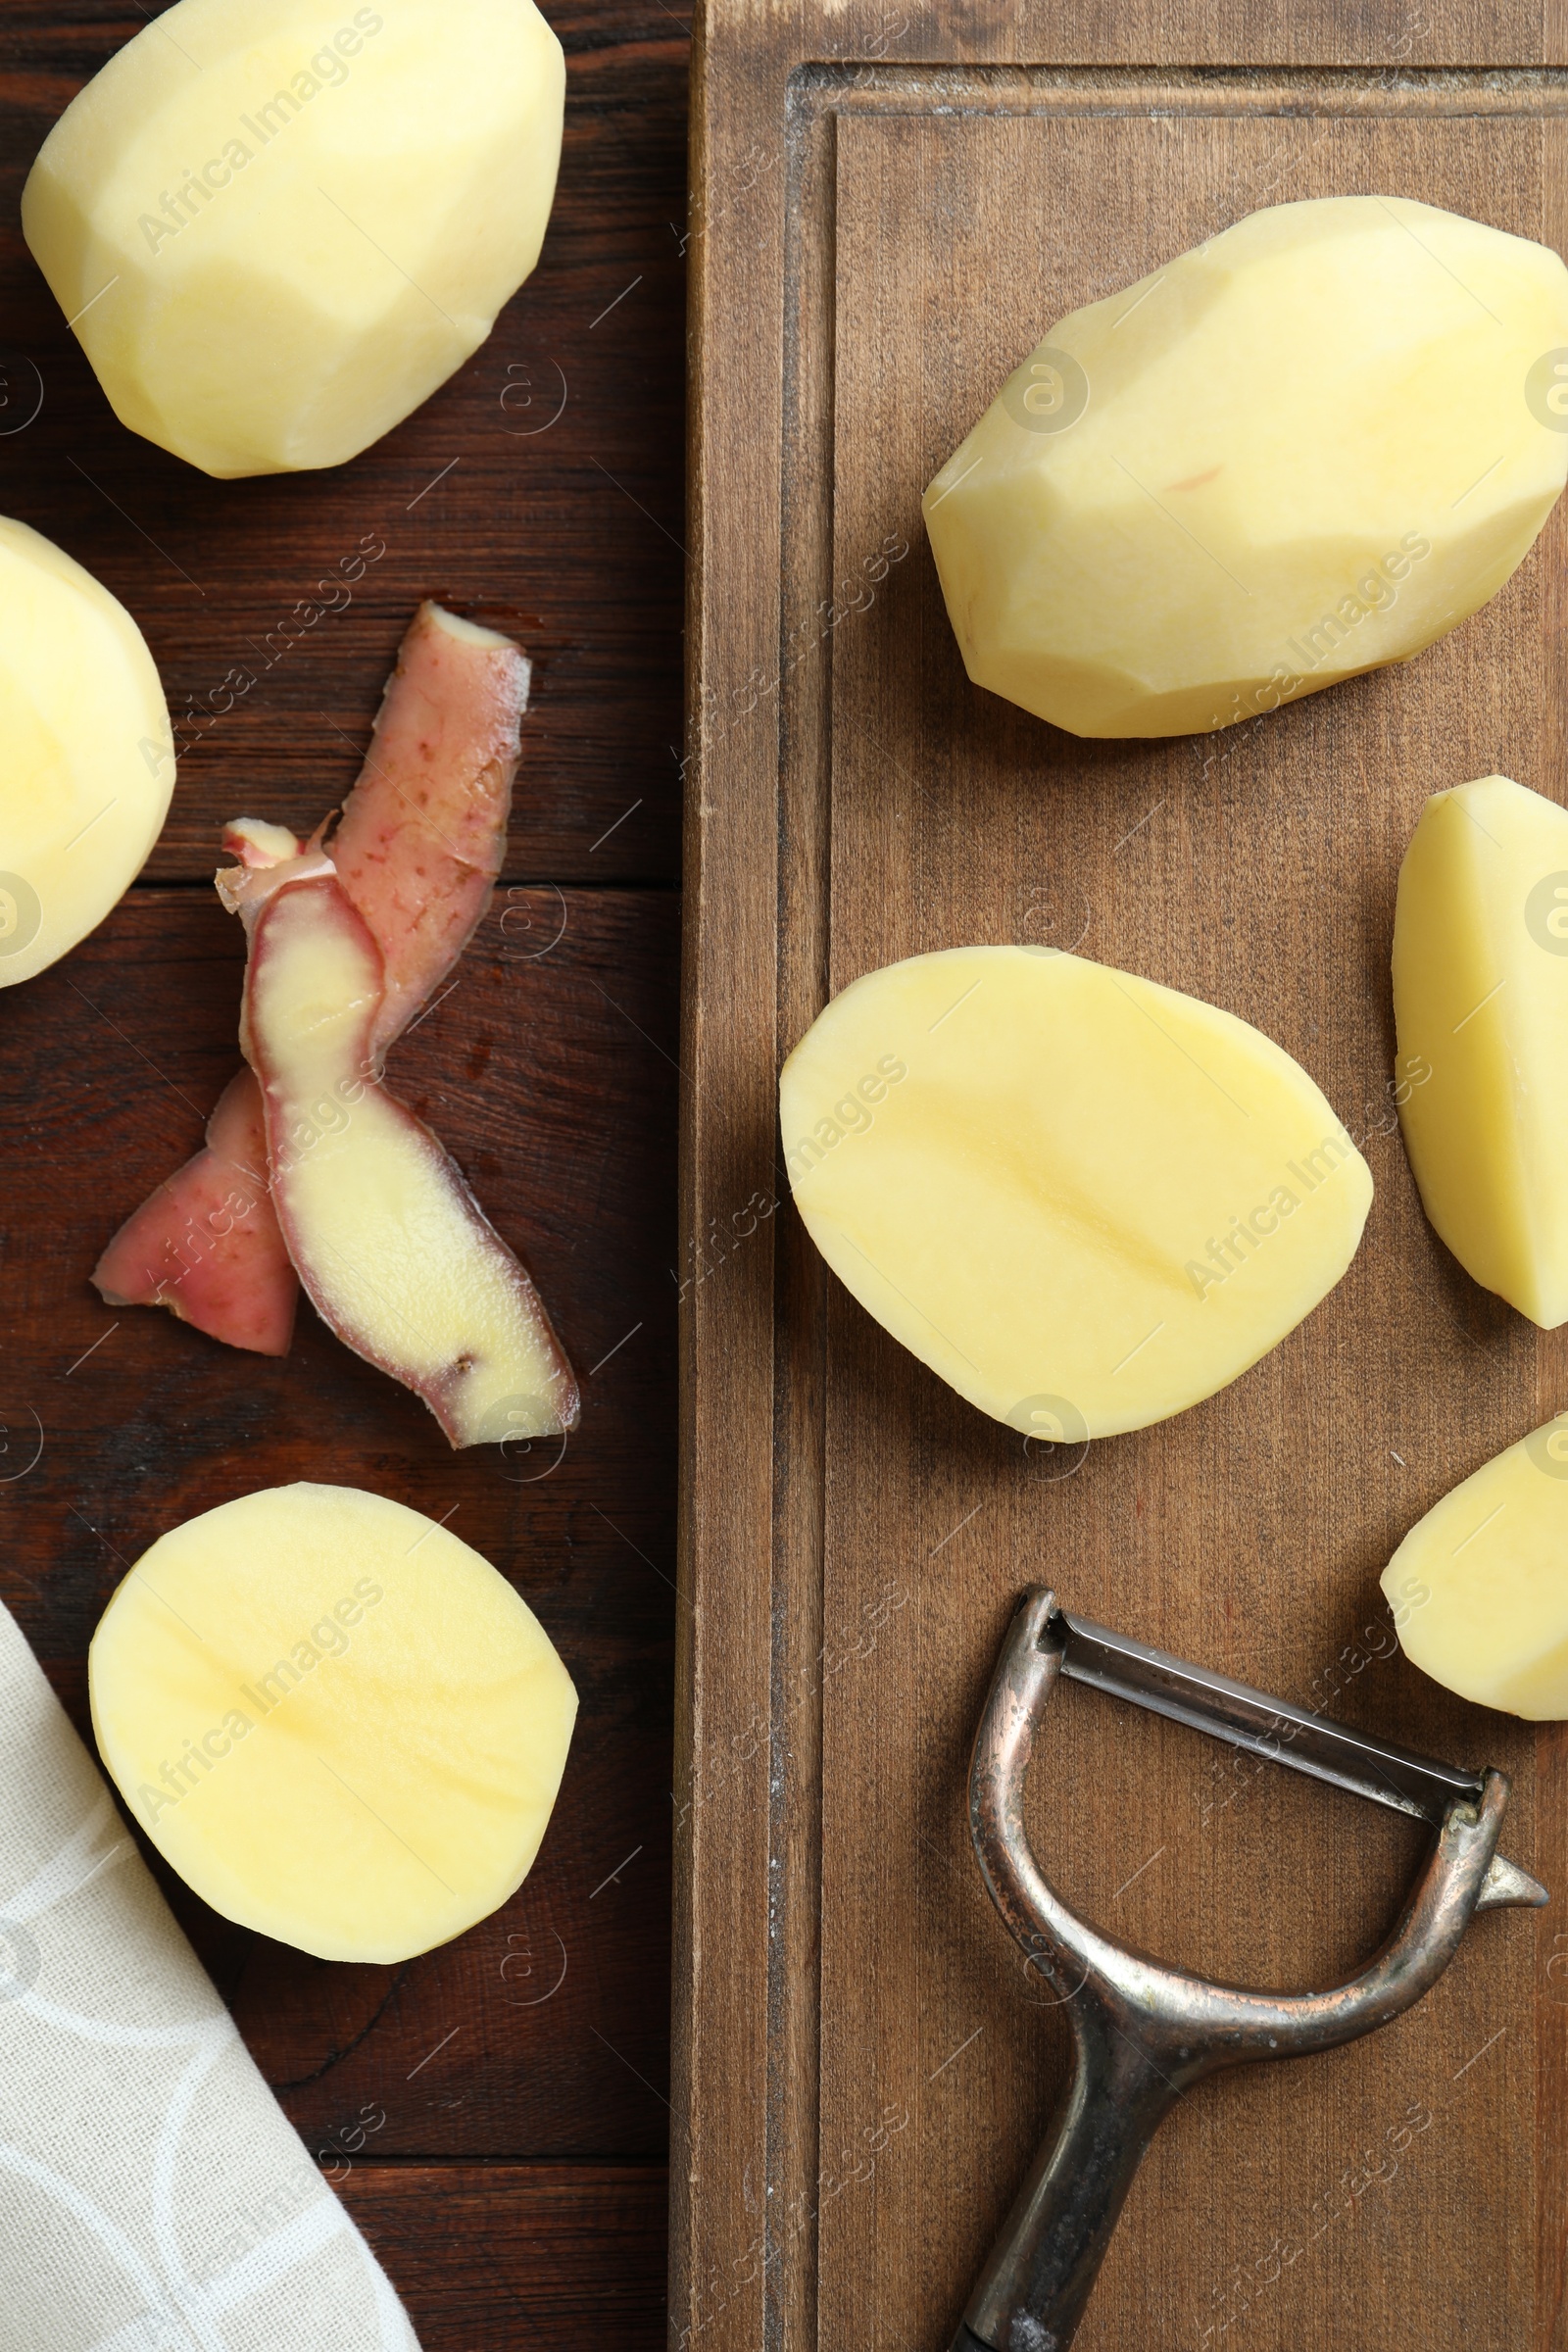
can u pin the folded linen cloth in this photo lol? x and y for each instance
(154, 2197)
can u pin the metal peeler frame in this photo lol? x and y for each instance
(1145, 2033)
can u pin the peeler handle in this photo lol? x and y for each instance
(1031, 2294)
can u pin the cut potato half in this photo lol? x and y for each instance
(334, 1720)
(1085, 1201)
(90, 763)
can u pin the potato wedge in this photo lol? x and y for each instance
(1478, 1588)
(1481, 1005)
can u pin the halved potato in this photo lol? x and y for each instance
(335, 1720)
(1085, 1201)
(89, 756)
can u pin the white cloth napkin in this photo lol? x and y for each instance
(154, 2197)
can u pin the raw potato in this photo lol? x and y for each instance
(1481, 1003)
(1478, 1588)
(90, 763)
(1085, 1201)
(1313, 445)
(333, 1719)
(277, 225)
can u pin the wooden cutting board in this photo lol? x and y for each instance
(892, 205)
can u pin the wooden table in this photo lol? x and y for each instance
(496, 2113)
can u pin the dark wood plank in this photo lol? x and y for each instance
(565, 534)
(891, 234)
(551, 2256)
(551, 1079)
(551, 1072)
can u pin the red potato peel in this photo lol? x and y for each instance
(395, 1252)
(416, 847)
(207, 1244)
(423, 834)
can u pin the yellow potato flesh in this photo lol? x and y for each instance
(1478, 1588)
(1085, 1201)
(280, 224)
(89, 761)
(1308, 447)
(1481, 1005)
(333, 1719)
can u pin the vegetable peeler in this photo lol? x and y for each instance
(1145, 2033)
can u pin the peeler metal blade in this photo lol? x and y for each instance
(1282, 1733)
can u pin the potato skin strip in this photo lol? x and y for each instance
(417, 849)
(207, 1243)
(394, 1250)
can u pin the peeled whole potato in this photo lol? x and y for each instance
(280, 224)
(90, 762)
(1311, 446)
(1478, 1588)
(1085, 1201)
(1481, 1005)
(333, 1719)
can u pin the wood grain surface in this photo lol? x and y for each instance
(496, 2112)
(570, 2252)
(898, 202)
